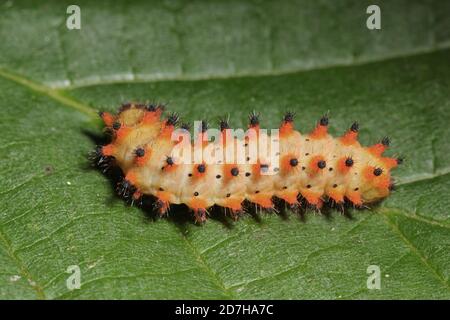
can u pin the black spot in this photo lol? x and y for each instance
(189, 174)
(116, 125)
(218, 176)
(385, 141)
(247, 174)
(356, 189)
(161, 189)
(324, 121)
(228, 195)
(257, 191)
(349, 162)
(195, 193)
(289, 116)
(306, 139)
(400, 160)
(248, 158)
(201, 168)
(330, 169)
(307, 154)
(303, 168)
(140, 152)
(246, 145)
(355, 127)
(169, 161)
(293, 162)
(285, 187)
(377, 172)
(308, 186)
(321, 164)
(234, 172)
(276, 169)
(335, 185)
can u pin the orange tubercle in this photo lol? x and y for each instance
(319, 132)
(264, 200)
(165, 196)
(107, 118)
(108, 150)
(233, 203)
(354, 197)
(377, 149)
(286, 128)
(311, 196)
(197, 203)
(336, 195)
(150, 117)
(289, 196)
(390, 163)
(349, 138)
(368, 173)
(166, 131)
(131, 177)
(122, 133)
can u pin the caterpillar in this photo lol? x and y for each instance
(312, 169)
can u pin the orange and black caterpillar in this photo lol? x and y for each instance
(313, 168)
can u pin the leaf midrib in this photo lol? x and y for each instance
(68, 101)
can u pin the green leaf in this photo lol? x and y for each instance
(210, 58)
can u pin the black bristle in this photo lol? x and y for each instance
(185, 126)
(324, 121)
(104, 163)
(385, 141)
(151, 107)
(158, 204)
(224, 124)
(125, 188)
(400, 160)
(173, 119)
(289, 116)
(140, 106)
(100, 113)
(253, 119)
(204, 126)
(355, 127)
(125, 106)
